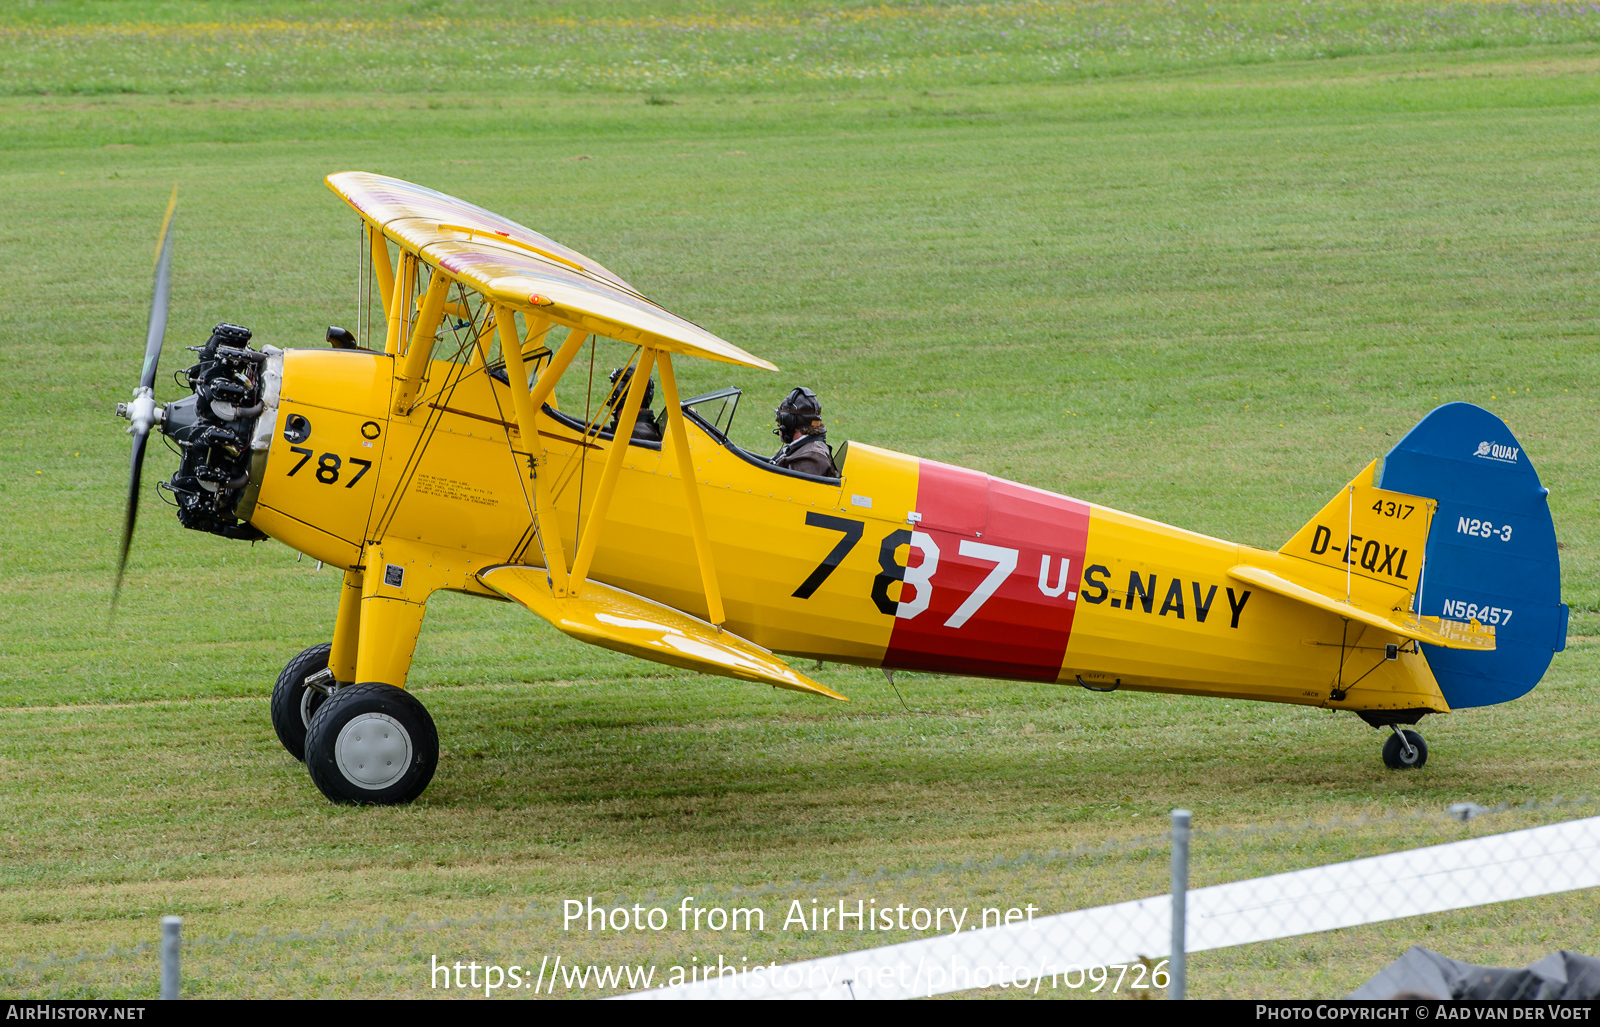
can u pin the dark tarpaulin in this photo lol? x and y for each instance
(1424, 974)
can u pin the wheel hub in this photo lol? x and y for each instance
(373, 751)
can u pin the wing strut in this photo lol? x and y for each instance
(382, 269)
(558, 364)
(697, 520)
(409, 375)
(545, 527)
(608, 478)
(399, 299)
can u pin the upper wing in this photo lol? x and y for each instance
(514, 266)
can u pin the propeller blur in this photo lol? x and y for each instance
(142, 411)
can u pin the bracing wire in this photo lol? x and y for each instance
(591, 432)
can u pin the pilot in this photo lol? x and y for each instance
(644, 427)
(805, 440)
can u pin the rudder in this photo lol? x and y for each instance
(1491, 552)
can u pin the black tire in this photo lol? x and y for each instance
(372, 744)
(1394, 756)
(293, 703)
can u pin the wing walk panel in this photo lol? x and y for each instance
(627, 623)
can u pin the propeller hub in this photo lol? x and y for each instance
(143, 411)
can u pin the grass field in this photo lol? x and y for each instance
(664, 46)
(1205, 287)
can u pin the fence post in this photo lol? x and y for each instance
(1177, 964)
(171, 942)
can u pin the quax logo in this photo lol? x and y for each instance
(1495, 451)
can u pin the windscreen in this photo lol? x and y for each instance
(716, 408)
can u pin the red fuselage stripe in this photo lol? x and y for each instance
(1006, 560)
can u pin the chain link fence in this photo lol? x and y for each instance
(1092, 921)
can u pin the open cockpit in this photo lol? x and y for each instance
(712, 413)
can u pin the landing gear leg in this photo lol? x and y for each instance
(372, 742)
(1404, 749)
(314, 675)
(390, 619)
(347, 629)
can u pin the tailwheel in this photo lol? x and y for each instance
(372, 744)
(294, 700)
(1404, 750)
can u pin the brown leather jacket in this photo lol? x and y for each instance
(808, 453)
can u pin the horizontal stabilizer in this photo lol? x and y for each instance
(1432, 630)
(627, 623)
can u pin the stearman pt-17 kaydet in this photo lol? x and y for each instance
(437, 459)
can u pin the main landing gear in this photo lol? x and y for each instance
(363, 744)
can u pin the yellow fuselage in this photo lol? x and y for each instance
(932, 567)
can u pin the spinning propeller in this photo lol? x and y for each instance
(142, 411)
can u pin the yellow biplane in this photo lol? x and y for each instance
(435, 457)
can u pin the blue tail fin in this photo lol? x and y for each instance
(1491, 552)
